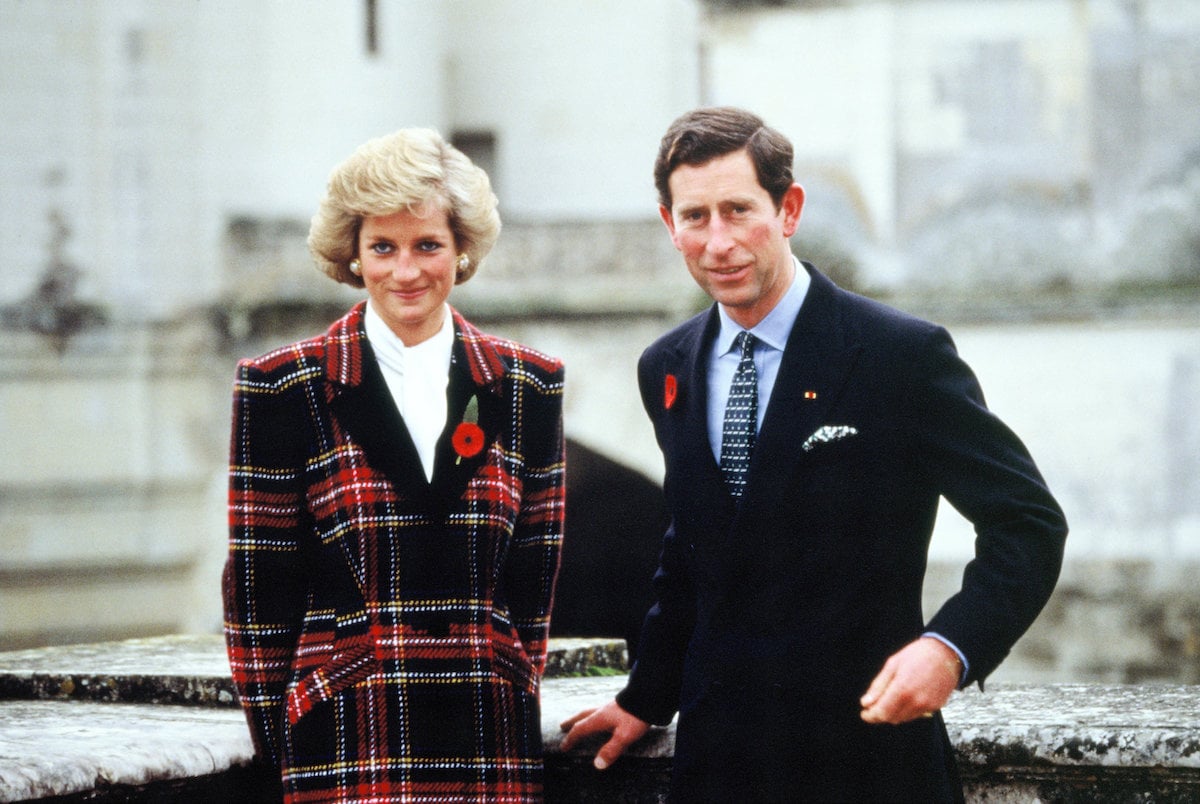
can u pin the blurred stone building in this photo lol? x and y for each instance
(978, 161)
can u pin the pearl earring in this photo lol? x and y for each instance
(464, 262)
(355, 267)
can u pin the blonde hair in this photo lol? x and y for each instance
(412, 169)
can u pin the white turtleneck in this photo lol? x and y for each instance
(417, 376)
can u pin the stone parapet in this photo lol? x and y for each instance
(154, 720)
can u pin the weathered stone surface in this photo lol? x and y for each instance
(162, 670)
(1077, 724)
(586, 657)
(1070, 742)
(194, 669)
(55, 748)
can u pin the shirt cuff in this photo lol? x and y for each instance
(962, 658)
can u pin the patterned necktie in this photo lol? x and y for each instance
(741, 418)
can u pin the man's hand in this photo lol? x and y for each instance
(610, 718)
(916, 681)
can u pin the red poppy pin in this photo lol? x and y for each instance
(468, 436)
(670, 391)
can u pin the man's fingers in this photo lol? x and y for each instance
(578, 727)
(611, 751)
(878, 686)
(571, 721)
(914, 682)
(624, 727)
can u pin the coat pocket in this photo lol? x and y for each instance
(354, 662)
(509, 659)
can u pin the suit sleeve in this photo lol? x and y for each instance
(654, 686)
(263, 581)
(533, 559)
(981, 467)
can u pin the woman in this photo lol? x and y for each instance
(396, 509)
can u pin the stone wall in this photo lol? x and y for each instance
(156, 720)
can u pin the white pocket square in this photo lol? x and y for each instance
(830, 432)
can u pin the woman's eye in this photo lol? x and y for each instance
(429, 245)
(382, 248)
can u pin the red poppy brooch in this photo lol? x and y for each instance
(670, 391)
(468, 436)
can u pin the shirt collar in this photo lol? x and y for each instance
(431, 355)
(775, 328)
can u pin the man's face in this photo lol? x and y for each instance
(734, 241)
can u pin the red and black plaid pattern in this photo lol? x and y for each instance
(387, 635)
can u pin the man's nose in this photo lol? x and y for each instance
(720, 236)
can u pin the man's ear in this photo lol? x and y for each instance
(669, 221)
(792, 206)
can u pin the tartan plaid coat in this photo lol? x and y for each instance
(387, 634)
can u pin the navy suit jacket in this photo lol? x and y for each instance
(774, 613)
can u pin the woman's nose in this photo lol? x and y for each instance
(404, 267)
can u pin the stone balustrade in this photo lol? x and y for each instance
(157, 720)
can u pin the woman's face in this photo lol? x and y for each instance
(408, 262)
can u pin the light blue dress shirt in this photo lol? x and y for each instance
(772, 335)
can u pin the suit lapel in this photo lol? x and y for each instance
(689, 363)
(696, 487)
(812, 375)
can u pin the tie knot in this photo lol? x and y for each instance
(744, 343)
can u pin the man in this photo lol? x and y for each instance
(803, 474)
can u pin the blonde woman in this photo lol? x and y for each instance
(396, 508)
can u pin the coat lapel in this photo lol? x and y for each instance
(476, 370)
(816, 363)
(364, 406)
(698, 492)
(451, 471)
(689, 363)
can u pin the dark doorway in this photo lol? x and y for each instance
(615, 522)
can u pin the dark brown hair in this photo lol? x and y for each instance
(702, 135)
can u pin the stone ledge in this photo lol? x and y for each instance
(61, 748)
(1131, 726)
(1069, 742)
(193, 669)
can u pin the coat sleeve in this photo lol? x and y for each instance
(981, 467)
(532, 565)
(654, 686)
(263, 581)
